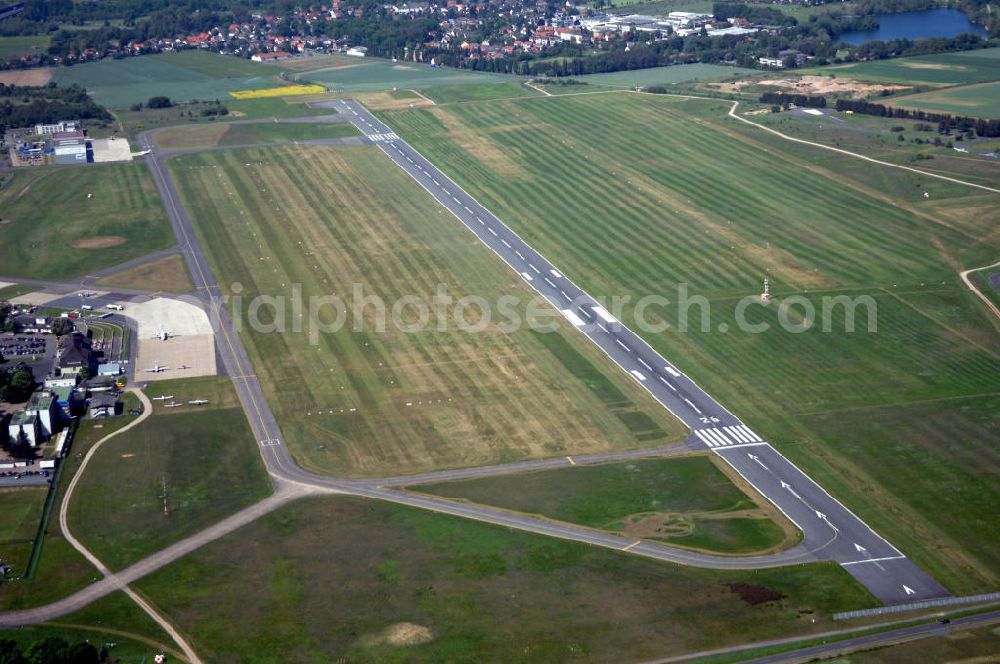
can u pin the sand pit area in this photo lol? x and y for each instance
(820, 85)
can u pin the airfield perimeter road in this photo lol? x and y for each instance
(830, 530)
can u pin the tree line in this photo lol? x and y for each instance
(782, 98)
(946, 122)
(23, 106)
(52, 650)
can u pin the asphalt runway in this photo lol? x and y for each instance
(830, 530)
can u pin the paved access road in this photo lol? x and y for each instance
(831, 531)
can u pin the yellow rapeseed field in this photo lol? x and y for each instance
(284, 91)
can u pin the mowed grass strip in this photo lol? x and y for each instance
(52, 230)
(213, 135)
(686, 501)
(642, 195)
(979, 101)
(339, 578)
(364, 401)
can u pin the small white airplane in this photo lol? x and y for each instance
(164, 335)
(156, 368)
(198, 402)
(173, 405)
(163, 398)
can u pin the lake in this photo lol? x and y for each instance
(916, 25)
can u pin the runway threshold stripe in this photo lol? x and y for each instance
(750, 432)
(717, 437)
(872, 560)
(737, 434)
(703, 438)
(733, 447)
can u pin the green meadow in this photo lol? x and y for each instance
(182, 76)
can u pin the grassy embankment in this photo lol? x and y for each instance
(687, 501)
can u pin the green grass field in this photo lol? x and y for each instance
(663, 75)
(61, 570)
(174, 474)
(448, 94)
(19, 519)
(383, 583)
(182, 76)
(51, 229)
(978, 100)
(14, 47)
(213, 135)
(714, 207)
(873, 136)
(686, 501)
(933, 70)
(365, 401)
(168, 274)
(370, 74)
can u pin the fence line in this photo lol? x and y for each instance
(925, 604)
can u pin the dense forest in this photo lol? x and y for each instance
(782, 98)
(27, 106)
(52, 650)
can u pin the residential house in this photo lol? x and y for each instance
(75, 354)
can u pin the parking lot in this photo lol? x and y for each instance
(24, 477)
(25, 347)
